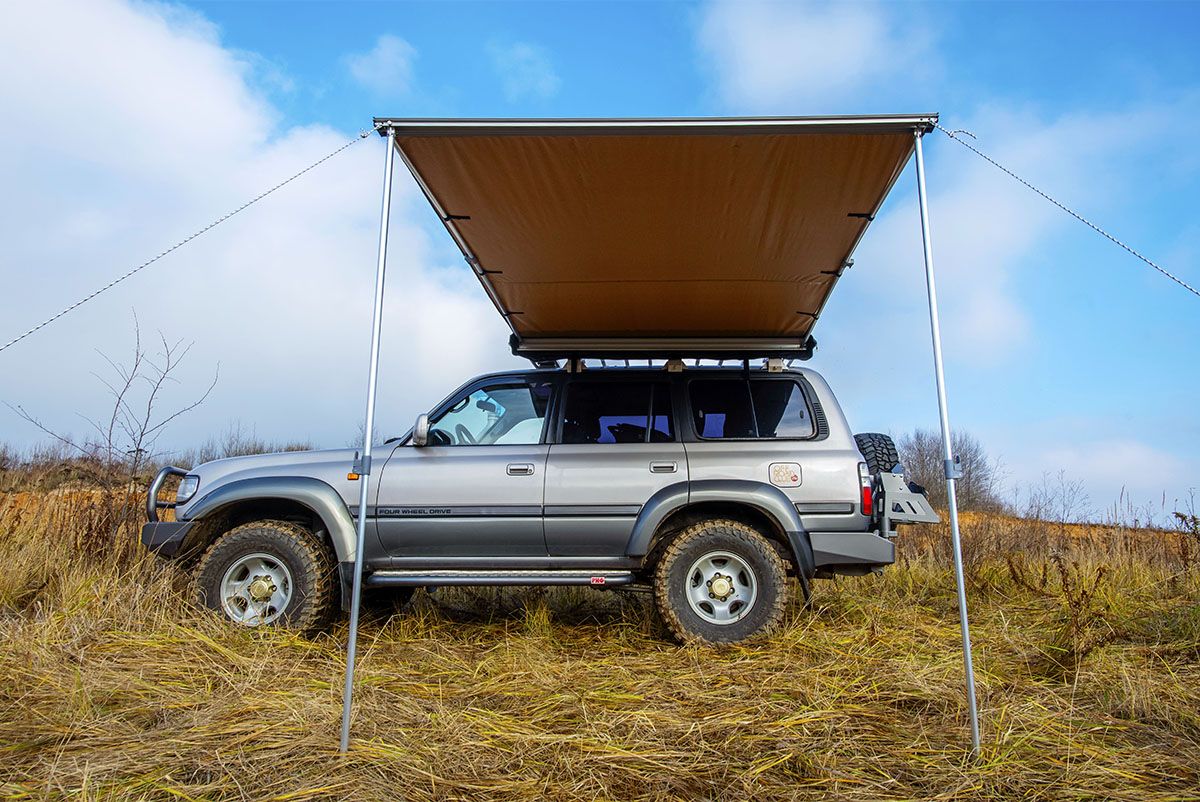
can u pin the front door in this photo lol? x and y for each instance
(617, 448)
(476, 490)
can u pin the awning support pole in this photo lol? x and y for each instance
(951, 468)
(363, 469)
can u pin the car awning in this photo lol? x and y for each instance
(678, 235)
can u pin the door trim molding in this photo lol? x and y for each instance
(452, 511)
(592, 510)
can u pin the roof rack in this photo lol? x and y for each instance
(545, 351)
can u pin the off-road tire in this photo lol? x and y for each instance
(719, 534)
(879, 451)
(308, 559)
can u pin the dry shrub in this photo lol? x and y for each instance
(1076, 589)
(116, 687)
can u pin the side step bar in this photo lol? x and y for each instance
(380, 579)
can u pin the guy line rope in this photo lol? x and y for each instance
(361, 135)
(956, 135)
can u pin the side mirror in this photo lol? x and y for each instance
(420, 433)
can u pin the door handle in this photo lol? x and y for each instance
(520, 469)
(663, 467)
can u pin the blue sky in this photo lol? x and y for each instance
(131, 125)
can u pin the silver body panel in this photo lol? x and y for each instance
(462, 501)
(594, 492)
(330, 466)
(828, 476)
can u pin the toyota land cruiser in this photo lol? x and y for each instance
(719, 489)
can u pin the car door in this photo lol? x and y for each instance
(617, 446)
(476, 490)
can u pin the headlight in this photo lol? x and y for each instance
(187, 488)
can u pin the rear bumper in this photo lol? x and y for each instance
(851, 548)
(165, 537)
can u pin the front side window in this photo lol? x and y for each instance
(617, 412)
(511, 413)
(731, 408)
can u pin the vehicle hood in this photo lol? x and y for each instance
(329, 466)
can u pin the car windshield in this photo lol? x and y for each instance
(502, 414)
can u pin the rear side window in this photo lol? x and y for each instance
(617, 412)
(780, 409)
(721, 408)
(760, 409)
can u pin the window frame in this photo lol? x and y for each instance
(805, 391)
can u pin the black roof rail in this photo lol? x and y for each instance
(545, 352)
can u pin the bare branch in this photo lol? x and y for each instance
(45, 429)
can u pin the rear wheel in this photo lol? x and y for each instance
(269, 573)
(879, 451)
(720, 581)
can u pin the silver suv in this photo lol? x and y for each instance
(711, 487)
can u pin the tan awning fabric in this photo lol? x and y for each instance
(658, 228)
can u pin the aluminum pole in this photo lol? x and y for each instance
(364, 467)
(947, 447)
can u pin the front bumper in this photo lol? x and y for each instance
(165, 537)
(153, 505)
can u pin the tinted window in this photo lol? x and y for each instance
(735, 408)
(721, 408)
(499, 414)
(780, 409)
(616, 412)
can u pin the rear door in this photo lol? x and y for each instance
(617, 446)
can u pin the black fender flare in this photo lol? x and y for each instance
(767, 499)
(317, 496)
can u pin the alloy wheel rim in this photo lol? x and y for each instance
(256, 589)
(721, 588)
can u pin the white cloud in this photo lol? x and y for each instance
(130, 127)
(991, 235)
(387, 68)
(1120, 475)
(771, 56)
(525, 71)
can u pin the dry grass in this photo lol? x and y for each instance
(1087, 650)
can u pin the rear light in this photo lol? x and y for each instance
(868, 489)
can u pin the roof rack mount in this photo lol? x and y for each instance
(544, 350)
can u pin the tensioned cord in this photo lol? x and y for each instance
(362, 135)
(955, 136)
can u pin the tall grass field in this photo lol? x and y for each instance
(113, 685)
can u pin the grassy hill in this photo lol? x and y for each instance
(1087, 654)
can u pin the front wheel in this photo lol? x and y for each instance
(269, 573)
(721, 581)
